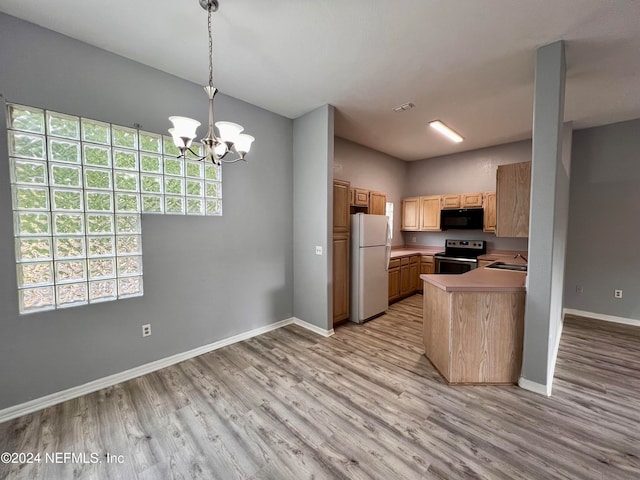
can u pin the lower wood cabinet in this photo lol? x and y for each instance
(394, 280)
(340, 277)
(404, 277)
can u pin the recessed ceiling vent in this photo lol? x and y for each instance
(404, 107)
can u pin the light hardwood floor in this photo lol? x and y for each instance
(364, 403)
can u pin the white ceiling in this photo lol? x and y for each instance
(469, 63)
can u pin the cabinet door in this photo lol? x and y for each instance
(472, 200)
(352, 196)
(426, 265)
(405, 280)
(513, 189)
(411, 214)
(451, 201)
(377, 203)
(394, 284)
(340, 206)
(361, 197)
(414, 277)
(340, 277)
(489, 212)
(430, 213)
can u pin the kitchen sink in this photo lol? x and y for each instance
(514, 267)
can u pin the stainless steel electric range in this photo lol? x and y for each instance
(459, 256)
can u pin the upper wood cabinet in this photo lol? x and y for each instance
(430, 213)
(462, 200)
(513, 191)
(411, 214)
(489, 212)
(471, 200)
(421, 213)
(360, 197)
(451, 201)
(377, 203)
(341, 217)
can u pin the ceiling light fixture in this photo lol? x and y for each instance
(231, 138)
(446, 131)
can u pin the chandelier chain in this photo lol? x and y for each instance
(210, 48)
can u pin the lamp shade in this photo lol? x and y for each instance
(229, 131)
(183, 127)
(243, 144)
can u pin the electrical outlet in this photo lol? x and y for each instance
(413, 239)
(318, 250)
(617, 293)
(146, 330)
(579, 289)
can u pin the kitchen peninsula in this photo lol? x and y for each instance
(473, 325)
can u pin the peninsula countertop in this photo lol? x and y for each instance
(481, 279)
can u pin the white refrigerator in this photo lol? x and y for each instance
(370, 250)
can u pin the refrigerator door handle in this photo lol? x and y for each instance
(388, 246)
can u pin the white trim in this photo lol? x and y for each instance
(311, 327)
(534, 386)
(58, 397)
(601, 316)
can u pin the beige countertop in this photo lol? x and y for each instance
(403, 252)
(480, 280)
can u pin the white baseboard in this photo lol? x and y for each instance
(601, 316)
(313, 328)
(59, 397)
(534, 386)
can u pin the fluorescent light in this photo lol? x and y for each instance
(446, 131)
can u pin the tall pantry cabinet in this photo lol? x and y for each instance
(341, 234)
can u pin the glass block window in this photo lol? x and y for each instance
(79, 187)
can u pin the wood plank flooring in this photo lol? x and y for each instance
(363, 404)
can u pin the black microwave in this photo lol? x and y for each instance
(462, 219)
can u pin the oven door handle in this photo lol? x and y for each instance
(460, 260)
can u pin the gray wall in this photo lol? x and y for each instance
(604, 221)
(373, 170)
(548, 221)
(205, 279)
(313, 216)
(466, 172)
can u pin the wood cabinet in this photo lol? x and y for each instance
(513, 191)
(430, 213)
(451, 201)
(414, 274)
(377, 203)
(411, 214)
(427, 265)
(404, 277)
(421, 213)
(340, 277)
(474, 337)
(341, 249)
(462, 200)
(489, 212)
(471, 200)
(341, 218)
(394, 280)
(360, 197)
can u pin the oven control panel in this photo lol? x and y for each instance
(466, 244)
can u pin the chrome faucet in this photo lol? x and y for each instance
(522, 257)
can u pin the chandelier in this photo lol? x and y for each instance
(231, 139)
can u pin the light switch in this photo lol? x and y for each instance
(318, 250)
